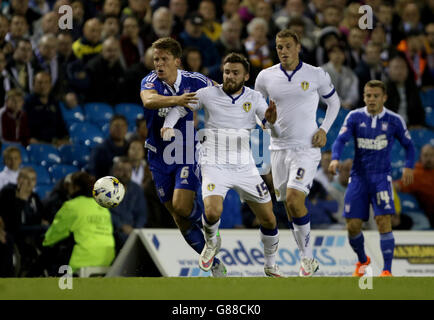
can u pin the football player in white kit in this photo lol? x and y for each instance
(296, 87)
(225, 158)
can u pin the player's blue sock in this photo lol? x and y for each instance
(196, 214)
(358, 245)
(387, 244)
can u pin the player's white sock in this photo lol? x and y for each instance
(302, 236)
(270, 240)
(210, 230)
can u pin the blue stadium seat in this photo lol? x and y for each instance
(85, 133)
(42, 175)
(429, 116)
(43, 190)
(320, 115)
(98, 113)
(74, 154)
(130, 111)
(58, 171)
(71, 115)
(421, 137)
(409, 203)
(427, 98)
(24, 155)
(43, 154)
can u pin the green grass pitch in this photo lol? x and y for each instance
(218, 289)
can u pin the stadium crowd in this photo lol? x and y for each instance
(70, 104)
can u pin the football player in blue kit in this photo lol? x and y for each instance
(374, 130)
(176, 181)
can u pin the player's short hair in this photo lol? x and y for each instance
(376, 84)
(237, 58)
(170, 45)
(286, 33)
(7, 151)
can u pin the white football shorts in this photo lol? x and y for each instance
(294, 168)
(217, 180)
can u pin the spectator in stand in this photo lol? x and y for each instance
(230, 8)
(21, 8)
(18, 30)
(78, 18)
(131, 44)
(327, 37)
(194, 37)
(428, 76)
(192, 60)
(162, 26)
(61, 192)
(141, 133)
(48, 25)
(5, 46)
(12, 161)
(332, 16)
(258, 48)
(423, 185)
(307, 54)
(384, 17)
(101, 157)
(14, 122)
(88, 223)
(45, 118)
(106, 74)
(64, 50)
(132, 212)
(230, 39)
(136, 157)
(20, 69)
(351, 18)
(111, 8)
(343, 78)
(264, 9)
(22, 219)
(141, 9)
(247, 10)
(211, 28)
(410, 21)
(89, 45)
(370, 68)
(356, 40)
(110, 28)
(402, 93)
(179, 9)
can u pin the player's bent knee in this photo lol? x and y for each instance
(268, 221)
(182, 208)
(213, 212)
(384, 223)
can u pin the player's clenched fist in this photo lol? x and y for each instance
(167, 133)
(187, 98)
(333, 166)
(271, 112)
(319, 139)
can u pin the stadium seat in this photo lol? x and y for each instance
(427, 98)
(43, 154)
(85, 133)
(130, 111)
(74, 154)
(98, 113)
(43, 190)
(59, 171)
(429, 116)
(42, 175)
(421, 137)
(409, 203)
(24, 155)
(71, 115)
(320, 115)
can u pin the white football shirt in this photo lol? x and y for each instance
(296, 94)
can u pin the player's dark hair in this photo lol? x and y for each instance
(84, 182)
(286, 33)
(237, 58)
(170, 45)
(376, 84)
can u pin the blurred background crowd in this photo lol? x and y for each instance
(70, 110)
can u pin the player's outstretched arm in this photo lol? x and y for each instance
(152, 100)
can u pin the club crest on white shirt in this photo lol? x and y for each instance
(305, 85)
(247, 106)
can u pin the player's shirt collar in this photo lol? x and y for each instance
(237, 97)
(379, 116)
(298, 67)
(177, 83)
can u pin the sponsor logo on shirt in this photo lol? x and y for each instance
(384, 126)
(149, 85)
(379, 143)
